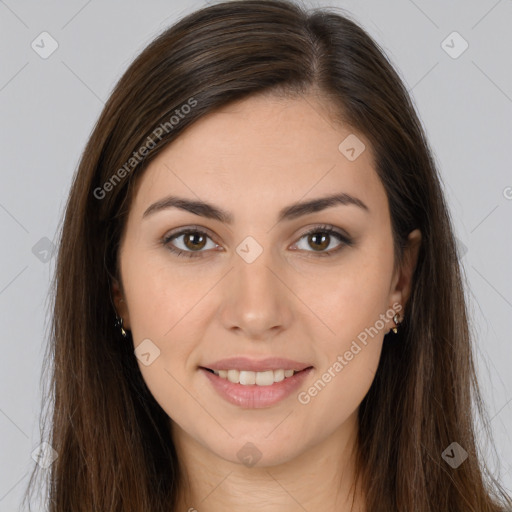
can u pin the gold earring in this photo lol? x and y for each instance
(397, 321)
(119, 324)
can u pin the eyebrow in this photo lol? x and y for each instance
(290, 212)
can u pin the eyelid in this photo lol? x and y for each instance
(343, 237)
(168, 237)
(189, 229)
(330, 229)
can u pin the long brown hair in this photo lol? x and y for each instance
(115, 451)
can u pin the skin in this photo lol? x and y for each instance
(253, 158)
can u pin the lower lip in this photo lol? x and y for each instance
(253, 396)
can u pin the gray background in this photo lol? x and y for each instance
(49, 106)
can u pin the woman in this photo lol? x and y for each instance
(258, 302)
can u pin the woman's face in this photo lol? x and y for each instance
(252, 286)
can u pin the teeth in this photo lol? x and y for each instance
(234, 376)
(278, 375)
(248, 378)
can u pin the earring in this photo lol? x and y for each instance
(119, 324)
(397, 321)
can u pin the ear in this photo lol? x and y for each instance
(120, 303)
(402, 281)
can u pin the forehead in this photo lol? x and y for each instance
(264, 150)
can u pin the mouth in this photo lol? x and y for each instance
(250, 389)
(251, 378)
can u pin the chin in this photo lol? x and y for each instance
(256, 450)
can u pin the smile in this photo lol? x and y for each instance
(255, 390)
(248, 378)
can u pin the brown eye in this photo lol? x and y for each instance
(320, 238)
(191, 242)
(194, 240)
(188, 242)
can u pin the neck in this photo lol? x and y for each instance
(319, 478)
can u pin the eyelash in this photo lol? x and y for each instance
(324, 229)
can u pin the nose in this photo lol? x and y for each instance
(257, 303)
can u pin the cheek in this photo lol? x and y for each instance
(356, 308)
(163, 307)
(161, 296)
(353, 300)
(349, 357)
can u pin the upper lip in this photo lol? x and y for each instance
(261, 365)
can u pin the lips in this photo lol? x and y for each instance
(253, 365)
(264, 392)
